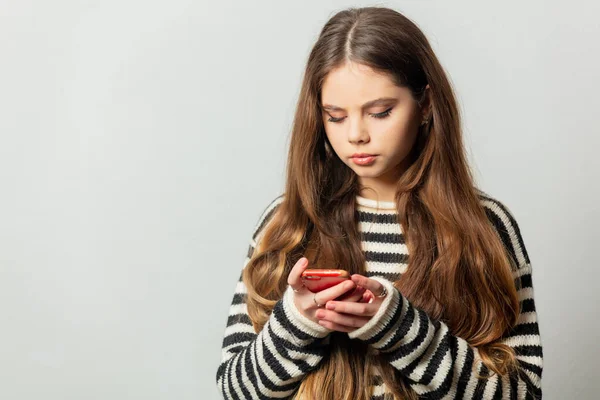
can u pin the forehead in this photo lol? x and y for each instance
(353, 84)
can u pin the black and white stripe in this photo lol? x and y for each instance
(438, 364)
(272, 363)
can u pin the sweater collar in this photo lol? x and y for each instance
(375, 204)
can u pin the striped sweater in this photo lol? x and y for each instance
(271, 364)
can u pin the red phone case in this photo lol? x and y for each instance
(316, 279)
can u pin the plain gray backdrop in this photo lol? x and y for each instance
(141, 140)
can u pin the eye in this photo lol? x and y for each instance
(333, 119)
(383, 114)
(378, 115)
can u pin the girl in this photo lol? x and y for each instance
(440, 302)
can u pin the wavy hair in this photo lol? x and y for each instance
(458, 269)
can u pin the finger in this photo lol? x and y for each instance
(367, 297)
(333, 292)
(353, 308)
(358, 294)
(371, 284)
(295, 276)
(342, 319)
(355, 295)
(336, 327)
(350, 293)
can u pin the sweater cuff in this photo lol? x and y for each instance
(300, 320)
(383, 316)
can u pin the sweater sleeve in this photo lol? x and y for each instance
(438, 364)
(269, 364)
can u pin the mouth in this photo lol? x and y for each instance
(362, 155)
(363, 159)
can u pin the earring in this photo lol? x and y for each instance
(425, 121)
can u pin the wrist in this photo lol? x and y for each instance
(301, 321)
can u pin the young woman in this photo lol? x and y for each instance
(440, 303)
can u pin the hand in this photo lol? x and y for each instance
(347, 316)
(305, 299)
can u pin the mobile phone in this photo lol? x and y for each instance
(317, 279)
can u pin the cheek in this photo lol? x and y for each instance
(403, 143)
(395, 136)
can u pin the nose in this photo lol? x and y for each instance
(357, 132)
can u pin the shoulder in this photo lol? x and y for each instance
(266, 215)
(505, 224)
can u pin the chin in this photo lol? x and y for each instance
(367, 172)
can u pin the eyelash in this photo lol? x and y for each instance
(384, 114)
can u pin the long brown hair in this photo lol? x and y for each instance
(458, 269)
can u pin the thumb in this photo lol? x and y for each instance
(295, 276)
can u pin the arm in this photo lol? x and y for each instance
(438, 363)
(271, 363)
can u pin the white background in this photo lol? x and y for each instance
(140, 141)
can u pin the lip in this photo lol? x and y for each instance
(363, 159)
(362, 155)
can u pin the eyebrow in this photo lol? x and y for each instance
(379, 101)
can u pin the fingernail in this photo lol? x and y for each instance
(320, 314)
(330, 306)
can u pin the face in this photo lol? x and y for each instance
(365, 112)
